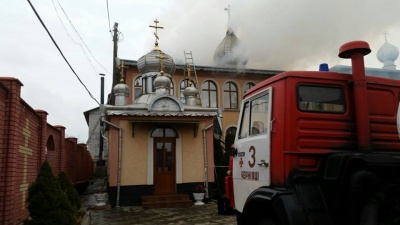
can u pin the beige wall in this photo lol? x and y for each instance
(230, 116)
(137, 153)
(134, 154)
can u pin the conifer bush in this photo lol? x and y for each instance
(48, 204)
(68, 188)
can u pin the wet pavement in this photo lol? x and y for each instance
(127, 215)
(204, 214)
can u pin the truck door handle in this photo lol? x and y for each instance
(234, 152)
(263, 163)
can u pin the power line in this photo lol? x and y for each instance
(81, 37)
(65, 59)
(83, 50)
(59, 18)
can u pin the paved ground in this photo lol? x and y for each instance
(195, 215)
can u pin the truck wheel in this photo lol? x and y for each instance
(265, 221)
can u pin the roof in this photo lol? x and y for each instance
(155, 104)
(86, 113)
(217, 69)
(376, 72)
(143, 110)
(326, 76)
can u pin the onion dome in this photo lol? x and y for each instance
(230, 52)
(121, 92)
(162, 84)
(190, 94)
(150, 63)
(387, 54)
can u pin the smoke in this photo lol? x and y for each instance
(281, 35)
(296, 34)
(278, 35)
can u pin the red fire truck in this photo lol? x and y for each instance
(318, 148)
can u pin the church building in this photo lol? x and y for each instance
(161, 127)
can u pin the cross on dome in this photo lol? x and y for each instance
(122, 72)
(228, 10)
(161, 57)
(385, 34)
(156, 27)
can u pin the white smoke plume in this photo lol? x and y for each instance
(281, 35)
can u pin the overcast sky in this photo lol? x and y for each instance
(278, 34)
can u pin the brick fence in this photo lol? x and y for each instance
(26, 140)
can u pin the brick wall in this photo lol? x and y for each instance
(26, 140)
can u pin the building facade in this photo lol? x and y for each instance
(161, 125)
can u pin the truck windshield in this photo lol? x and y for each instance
(326, 99)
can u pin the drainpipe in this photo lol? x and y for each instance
(119, 157)
(205, 158)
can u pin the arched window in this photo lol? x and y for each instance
(247, 86)
(138, 88)
(171, 88)
(164, 132)
(230, 96)
(209, 94)
(184, 84)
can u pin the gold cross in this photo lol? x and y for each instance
(189, 70)
(122, 72)
(161, 57)
(155, 33)
(228, 10)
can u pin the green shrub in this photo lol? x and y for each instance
(48, 204)
(68, 188)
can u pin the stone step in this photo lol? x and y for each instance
(166, 201)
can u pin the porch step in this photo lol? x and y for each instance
(166, 201)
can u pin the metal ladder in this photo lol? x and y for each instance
(188, 69)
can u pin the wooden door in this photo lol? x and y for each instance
(164, 166)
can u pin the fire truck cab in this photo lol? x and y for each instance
(317, 148)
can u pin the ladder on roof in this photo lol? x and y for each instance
(190, 69)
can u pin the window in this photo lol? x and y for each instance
(230, 96)
(255, 116)
(138, 88)
(247, 86)
(209, 94)
(164, 132)
(327, 99)
(171, 88)
(183, 86)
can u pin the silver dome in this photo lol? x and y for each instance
(387, 54)
(230, 52)
(151, 63)
(121, 89)
(162, 81)
(190, 91)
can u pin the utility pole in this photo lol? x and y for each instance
(100, 161)
(115, 55)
